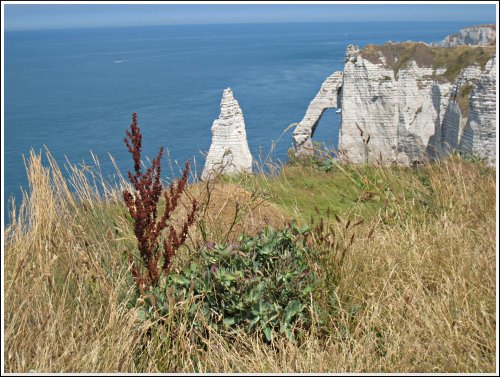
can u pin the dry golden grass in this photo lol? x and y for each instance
(62, 283)
(417, 296)
(230, 210)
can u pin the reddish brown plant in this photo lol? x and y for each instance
(143, 208)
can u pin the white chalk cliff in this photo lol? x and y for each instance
(229, 152)
(414, 112)
(405, 111)
(480, 35)
(479, 134)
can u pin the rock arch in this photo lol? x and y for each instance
(329, 96)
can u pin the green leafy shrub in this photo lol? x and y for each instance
(260, 284)
(321, 158)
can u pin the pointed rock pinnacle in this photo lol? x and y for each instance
(229, 152)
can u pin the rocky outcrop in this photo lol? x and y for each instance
(393, 107)
(411, 110)
(480, 35)
(408, 102)
(479, 134)
(229, 152)
(328, 97)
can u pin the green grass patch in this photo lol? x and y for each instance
(347, 190)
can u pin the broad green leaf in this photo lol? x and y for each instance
(307, 289)
(179, 279)
(266, 250)
(257, 308)
(141, 314)
(229, 321)
(253, 323)
(268, 333)
(289, 334)
(292, 309)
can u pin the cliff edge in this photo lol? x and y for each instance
(407, 102)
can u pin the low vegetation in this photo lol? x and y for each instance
(463, 99)
(452, 59)
(317, 267)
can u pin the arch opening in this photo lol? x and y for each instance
(326, 129)
(306, 132)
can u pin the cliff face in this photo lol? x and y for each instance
(481, 35)
(415, 101)
(479, 134)
(229, 152)
(406, 102)
(399, 110)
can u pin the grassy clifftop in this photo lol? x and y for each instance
(415, 290)
(453, 59)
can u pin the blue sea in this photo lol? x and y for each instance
(74, 91)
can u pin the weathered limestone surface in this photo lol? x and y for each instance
(369, 96)
(410, 116)
(479, 133)
(400, 112)
(328, 97)
(407, 115)
(480, 35)
(229, 152)
(449, 133)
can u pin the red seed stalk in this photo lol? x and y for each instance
(142, 205)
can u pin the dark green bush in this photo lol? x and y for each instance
(260, 284)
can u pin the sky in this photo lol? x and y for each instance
(61, 16)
